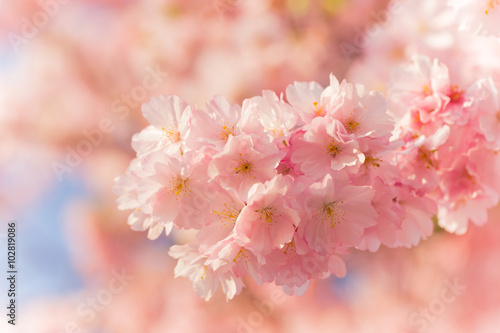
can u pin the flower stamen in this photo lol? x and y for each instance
(244, 167)
(204, 271)
(226, 131)
(455, 93)
(268, 216)
(227, 216)
(333, 149)
(351, 126)
(171, 135)
(318, 111)
(330, 212)
(179, 186)
(242, 255)
(491, 5)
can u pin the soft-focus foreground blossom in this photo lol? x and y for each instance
(481, 16)
(457, 32)
(279, 191)
(451, 140)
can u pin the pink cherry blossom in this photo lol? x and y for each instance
(418, 160)
(280, 192)
(389, 219)
(325, 146)
(125, 186)
(417, 222)
(277, 117)
(312, 100)
(221, 119)
(487, 106)
(225, 209)
(231, 255)
(336, 213)
(267, 221)
(245, 161)
(469, 189)
(175, 192)
(214, 125)
(478, 16)
(169, 118)
(421, 86)
(193, 265)
(295, 264)
(363, 113)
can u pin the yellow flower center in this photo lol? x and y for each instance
(372, 160)
(267, 216)
(242, 255)
(289, 248)
(278, 132)
(318, 111)
(426, 156)
(226, 131)
(244, 167)
(331, 213)
(427, 90)
(171, 134)
(333, 149)
(456, 93)
(179, 186)
(491, 5)
(351, 126)
(227, 216)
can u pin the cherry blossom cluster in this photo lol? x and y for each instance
(451, 137)
(279, 190)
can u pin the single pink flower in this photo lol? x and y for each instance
(230, 255)
(125, 186)
(176, 191)
(295, 264)
(277, 117)
(415, 212)
(195, 266)
(213, 126)
(169, 118)
(389, 219)
(488, 111)
(267, 221)
(325, 147)
(245, 161)
(418, 160)
(417, 222)
(419, 86)
(312, 100)
(334, 212)
(225, 209)
(363, 113)
(468, 189)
